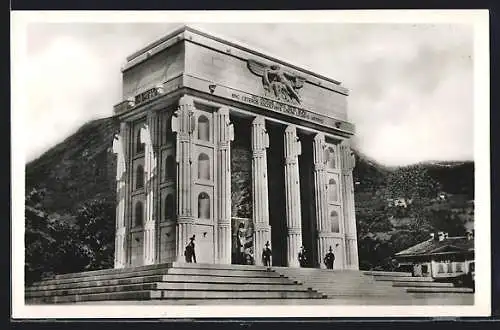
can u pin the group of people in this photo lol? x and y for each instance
(328, 260)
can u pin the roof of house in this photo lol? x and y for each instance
(434, 246)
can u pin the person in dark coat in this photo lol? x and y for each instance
(266, 255)
(329, 259)
(302, 257)
(189, 253)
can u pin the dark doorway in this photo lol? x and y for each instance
(307, 202)
(241, 188)
(276, 189)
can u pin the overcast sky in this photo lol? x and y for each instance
(411, 85)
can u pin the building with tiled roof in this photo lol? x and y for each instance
(440, 256)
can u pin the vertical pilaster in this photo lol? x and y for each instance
(149, 136)
(260, 142)
(292, 193)
(224, 137)
(351, 244)
(120, 144)
(320, 197)
(183, 125)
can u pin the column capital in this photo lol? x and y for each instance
(223, 111)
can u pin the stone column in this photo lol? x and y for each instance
(320, 197)
(149, 136)
(351, 242)
(292, 193)
(224, 137)
(120, 144)
(183, 125)
(262, 230)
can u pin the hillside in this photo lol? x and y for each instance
(73, 184)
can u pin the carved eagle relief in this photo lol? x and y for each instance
(277, 82)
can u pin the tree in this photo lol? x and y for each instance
(96, 234)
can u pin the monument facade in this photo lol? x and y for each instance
(235, 148)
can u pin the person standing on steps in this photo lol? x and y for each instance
(302, 257)
(329, 259)
(266, 256)
(190, 253)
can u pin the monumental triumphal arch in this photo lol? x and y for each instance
(235, 147)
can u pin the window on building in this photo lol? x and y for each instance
(203, 128)
(139, 177)
(170, 167)
(139, 213)
(139, 146)
(449, 267)
(440, 268)
(425, 269)
(332, 191)
(169, 207)
(203, 206)
(330, 161)
(459, 267)
(203, 167)
(335, 223)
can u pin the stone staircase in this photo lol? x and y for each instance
(421, 285)
(347, 286)
(378, 288)
(194, 284)
(174, 282)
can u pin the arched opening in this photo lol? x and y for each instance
(139, 213)
(169, 207)
(139, 146)
(334, 220)
(332, 191)
(169, 168)
(203, 206)
(330, 161)
(139, 177)
(203, 167)
(203, 128)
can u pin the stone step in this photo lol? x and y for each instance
(403, 279)
(165, 294)
(440, 290)
(382, 273)
(168, 286)
(165, 271)
(166, 278)
(421, 284)
(159, 266)
(131, 295)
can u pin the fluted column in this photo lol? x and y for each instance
(320, 197)
(262, 230)
(149, 136)
(292, 193)
(351, 244)
(224, 137)
(183, 125)
(120, 144)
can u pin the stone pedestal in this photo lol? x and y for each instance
(224, 138)
(260, 143)
(120, 144)
(320, 198)
(182, 124)
(292, 194)
(350, 238)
